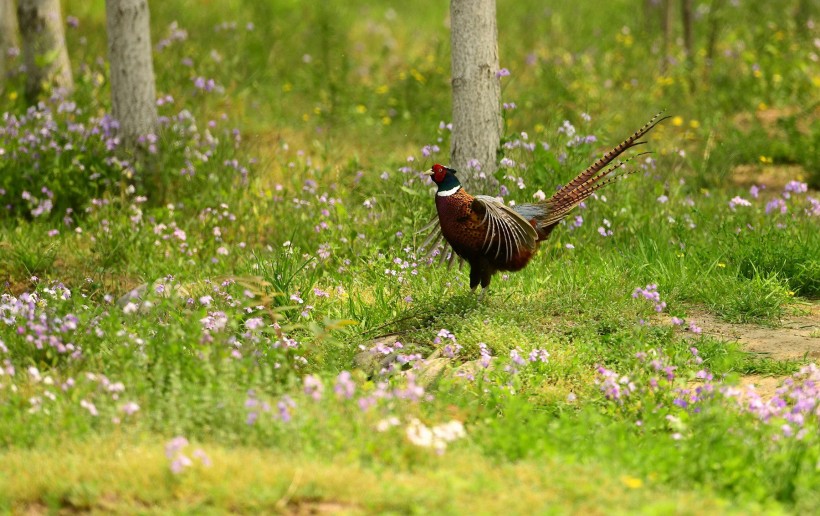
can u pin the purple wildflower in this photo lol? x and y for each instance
(313, 387)
(344, 386)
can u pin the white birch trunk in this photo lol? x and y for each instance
(133, 91)
(9, 37)
(477, 122)
(44, 51)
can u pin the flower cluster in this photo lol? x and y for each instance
(794, 409)
(451, 349)
(651, 294)
(175, 452)
(614, 386)
(436, 437)
(39, 323)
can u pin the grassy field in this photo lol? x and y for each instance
(239, 317)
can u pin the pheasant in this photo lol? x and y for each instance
(492, 236)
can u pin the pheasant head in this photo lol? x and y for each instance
(446, 180)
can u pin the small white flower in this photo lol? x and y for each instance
(387, 423)
(130, 408)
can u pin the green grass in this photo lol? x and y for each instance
(241, 479)
(284, 254)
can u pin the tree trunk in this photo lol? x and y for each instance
(666, 28)
(806, 10)
(688, 41)
(715, 21)
(650, 12)
(9, 37)
(44, 51)
(133, 92)
(477, 123)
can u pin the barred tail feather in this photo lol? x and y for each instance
(560, 204)
(604, 160)
(598, 175)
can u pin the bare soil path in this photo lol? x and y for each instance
(797, 338)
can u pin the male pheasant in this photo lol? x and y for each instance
(492, 236)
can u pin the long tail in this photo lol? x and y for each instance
(548, 213)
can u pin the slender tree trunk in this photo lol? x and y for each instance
(688, 40)
(806, 9)
(666, 27)
(44, 51)
(9, 37)
(133, 92)
(715, 21)
(650, 10)
(477, 123)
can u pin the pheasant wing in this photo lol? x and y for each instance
(507, 231)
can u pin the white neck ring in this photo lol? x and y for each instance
(447, 193)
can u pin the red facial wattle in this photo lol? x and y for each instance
(439, 171)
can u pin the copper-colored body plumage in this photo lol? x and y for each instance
(463, 226)
(491, 236)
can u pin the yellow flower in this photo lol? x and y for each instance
(386, 120)
(317, 110)
(791, 293)
(539, 128)
(765, 159)
(694, 124)
(626, 39)
(12, 95)
(777, 78)
(381, 90)
(305, 117)
(677, 121)
(287, 87)
(757, 74)
(722, 265)
(762, 106)
(361, 109)
(631, 482)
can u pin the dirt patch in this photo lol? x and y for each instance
(769, 118)
(773, 177)
(797, 338)
(765, 386)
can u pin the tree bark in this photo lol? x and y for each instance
(666, 28)
(477, 122)
(44, 51)
(715, 21)
(806, 10)
(133, 91)
(688, 41)
(9, 37)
